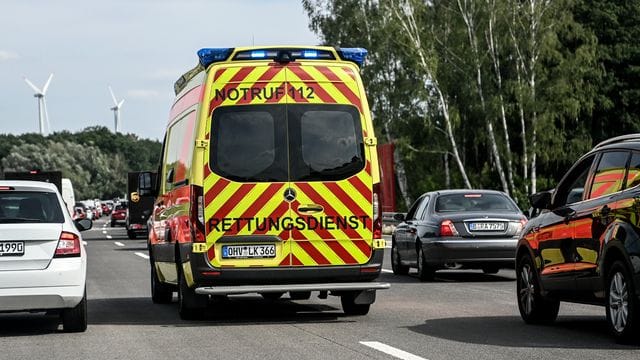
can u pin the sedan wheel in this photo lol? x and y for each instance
(396, 265)
(534, 308)
(622, 310)
(425, 272)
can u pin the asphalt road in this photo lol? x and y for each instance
(461, 315)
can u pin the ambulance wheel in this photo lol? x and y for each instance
(160, 293)
(75, 319)
(350, 307)
(191, 306)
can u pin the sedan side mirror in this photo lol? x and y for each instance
(541, 200)
(398, 217)
(83, 224)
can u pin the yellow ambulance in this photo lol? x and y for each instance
(269, 181)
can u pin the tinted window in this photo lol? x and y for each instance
(474, 202)
(30, 207)
(411, 214)
(422, 210)
(178, 157)
(571, 189)
(326, 142)
(609, 175)
(249, 143)
(633, 178)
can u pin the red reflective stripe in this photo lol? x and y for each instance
(262, 82)
(341, 86)
(309, 81)
(364, 247)
(295, 261)
(349, 72)
(215, 190)
(233, 201)
(219, 73)
(363, 189)
(313, 253)
(211, 253)
(258, 204)
(341, 252)
(345, 199)
(275, 99)
(233, 83)
(207, 170)
(368, 167)
(328, 209)
(282, 209)
(192, 97)
(285, 262)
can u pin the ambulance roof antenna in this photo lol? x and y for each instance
(43, 115)
(116, 111)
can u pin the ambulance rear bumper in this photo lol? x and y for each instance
(333, 287)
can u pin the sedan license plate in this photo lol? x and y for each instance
(487, 226)
(11, 248)
(248, 251)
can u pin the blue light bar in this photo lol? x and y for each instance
(258, 54)
(310, 54)
(210, 55)
(356, 55)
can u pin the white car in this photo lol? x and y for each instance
(43, 262)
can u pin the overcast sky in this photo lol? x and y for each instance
(139, 47)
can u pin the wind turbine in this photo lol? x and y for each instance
(43, 115)
(116, 110)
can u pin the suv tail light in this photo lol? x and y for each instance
(377, 212)
(197, 214)
(68, 245)
(447, 228)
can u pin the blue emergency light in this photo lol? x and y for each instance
(309, 54)
(356, 55)
(258, 54)
(210, 55)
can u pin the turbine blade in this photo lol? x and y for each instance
(35, 88)
(115, 102)
(46, 85)
(120, 104)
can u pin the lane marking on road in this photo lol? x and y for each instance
(387, 271)
(85, 243)
(109, 237)
(104, 231)
(144, 256)
(390, 350)
(118, 243)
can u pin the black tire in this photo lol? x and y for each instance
(75, 319)
(191, 306)
(425, 272)
(300, 295)
(273, 296)
(396, 264)
(533, 307)
(113, 223)
(490, 269)
(349, 306)
(131, 234)
(161, 293)
(623, 311)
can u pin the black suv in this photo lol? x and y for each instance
(584, 245)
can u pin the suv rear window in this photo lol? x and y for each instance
(474, 202)
(29, 207)
(278, 143)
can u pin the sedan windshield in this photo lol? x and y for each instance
(474, 202)
(29, 207)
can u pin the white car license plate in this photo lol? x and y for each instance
(11, 248)
(248, 251)
(487, 226)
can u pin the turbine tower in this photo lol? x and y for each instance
(116, 110)
(43, 115)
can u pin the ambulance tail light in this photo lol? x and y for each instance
(197, 214)
(377, 212)
(68, 245)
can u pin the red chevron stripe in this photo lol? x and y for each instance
(262, 82)
(207, 170)
(312, 83)
(211, 253)
(313, 252)
(233, 83)
(295, 261)
(257, 205)
(215, 190)
(364, 247)
(363, 189)
(368, 167)
(328, 209)
(340, 85)
(275, 99)
(280, 211)
(349, 72)
(286, 261)
(346, 199)
(233, 201)
(218, 74)
(341, 252)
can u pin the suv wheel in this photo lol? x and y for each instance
(622, 309)
(425, 272)
(534, 308)
(350, 307)
(160, 293)
(396, 265)
(191, 306)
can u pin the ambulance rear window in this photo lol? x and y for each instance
(278, 143)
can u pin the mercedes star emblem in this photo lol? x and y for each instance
(289, 195)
